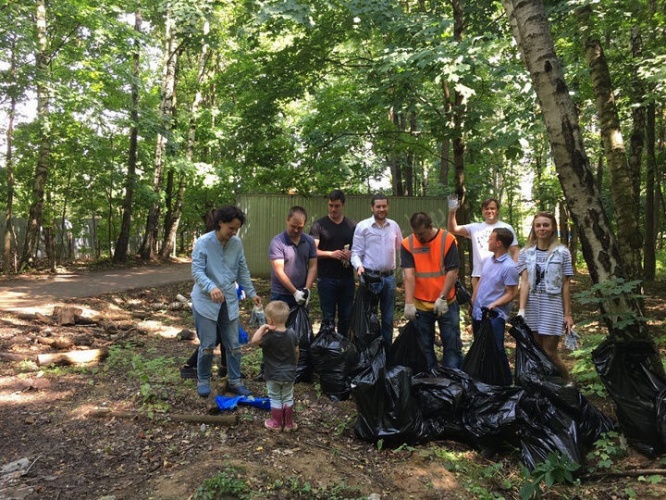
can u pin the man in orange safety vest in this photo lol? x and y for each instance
(430, 261)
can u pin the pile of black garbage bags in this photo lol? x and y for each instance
(398, 401)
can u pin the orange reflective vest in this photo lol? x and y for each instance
(429, 265)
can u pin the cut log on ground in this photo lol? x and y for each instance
(72, 357)
(57, 342)
(40, 318)
(8, 356)
(67, 316)
(227, 420)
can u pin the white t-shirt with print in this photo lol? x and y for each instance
(479, 233)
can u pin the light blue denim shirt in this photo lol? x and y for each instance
(556, 267)
(216, 266)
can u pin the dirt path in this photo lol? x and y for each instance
(41, 293)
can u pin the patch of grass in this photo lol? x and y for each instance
(252, 359)
(557, 469)
(584, 371)
(226, 484)
(483, 482)
(157, 376)
(294, 487)
(607, 449)
(26, 366)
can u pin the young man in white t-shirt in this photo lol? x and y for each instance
(479, 232)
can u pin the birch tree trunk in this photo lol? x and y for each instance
(122, 244)
(44, 147)
(532, 33)
(149, 245)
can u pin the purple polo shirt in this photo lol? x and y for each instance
(296, 260)
(495, 275)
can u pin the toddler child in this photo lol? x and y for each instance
(279, 345)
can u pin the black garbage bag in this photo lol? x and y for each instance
(329, 358)
(661, 414)
(591, 422)
(544, 429)
(441, 402)
(489, 412)
(627, 370)
(491, 415)
(386, 410)
(483, 361)
(299, 320)
(407, 350)
(364, 325)
(530, 357)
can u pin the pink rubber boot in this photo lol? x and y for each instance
(289, 424)
(275, 422)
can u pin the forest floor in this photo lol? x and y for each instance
(139, 448)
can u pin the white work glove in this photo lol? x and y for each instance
(441, 307)
(300, 297)
(410, 311)
(521, 313)
(454, 204)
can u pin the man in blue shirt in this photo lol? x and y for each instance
(496, 290)
(293, 257)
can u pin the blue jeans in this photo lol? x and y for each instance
(280, 393)
(449, 333)
(336, 295)
(383, 292)
(498, 326)
(207, 329)
(289, 299)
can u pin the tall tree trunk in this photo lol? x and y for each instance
(122, 244)
(65, 248)
(149, 245)
(176, 210)
(458, 141)
(397, 181)
(49, 234)
(637, 138)
(532, 33)
(409, 170)
(444, 152)
(625, 196)
(651, 206)
(9, 237)
(44, 146)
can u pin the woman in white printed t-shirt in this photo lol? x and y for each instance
(545, 268)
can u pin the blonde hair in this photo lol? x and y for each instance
(277, 311)
(554, 239)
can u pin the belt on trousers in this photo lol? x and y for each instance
(373, 273)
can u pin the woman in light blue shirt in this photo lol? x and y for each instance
(218, 262)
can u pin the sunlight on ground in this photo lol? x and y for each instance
(157, 328)
(35, 389)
